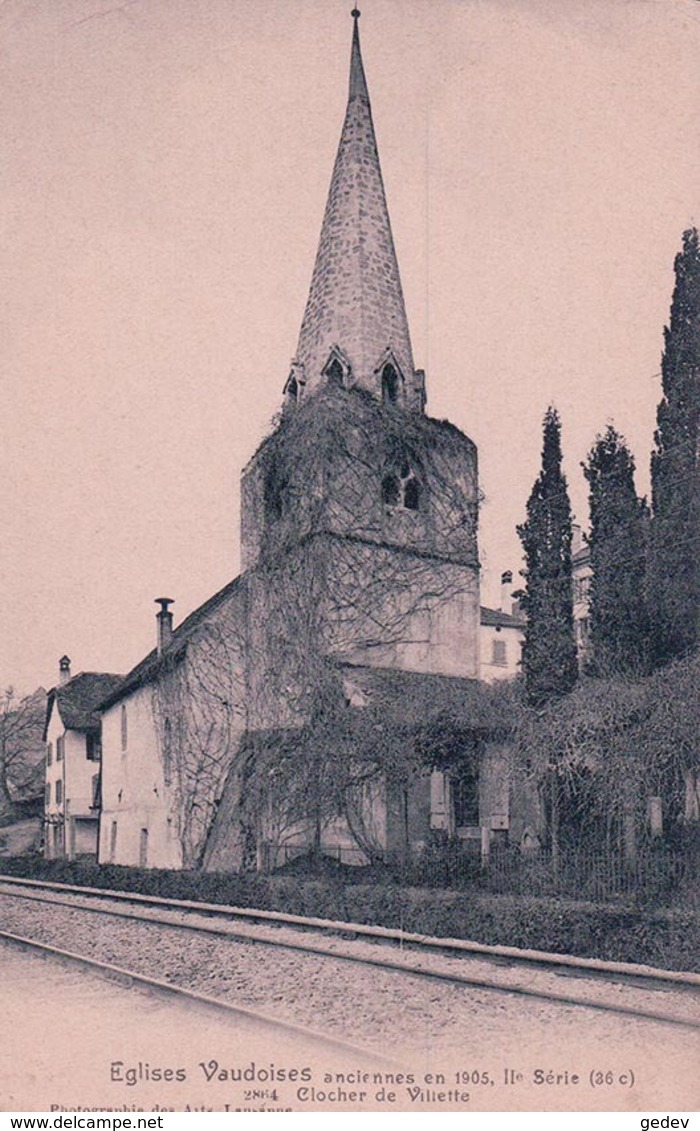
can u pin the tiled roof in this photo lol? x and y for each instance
(417, 695)
(407, 701)
(414, 698)
(147, 669)
(79, 698)
(495, 617)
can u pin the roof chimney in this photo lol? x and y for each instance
(165, 623)
(506, 595)
(64, 669)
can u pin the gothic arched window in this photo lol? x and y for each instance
(335, 375)
(411, 494)
(294, 385)
(401, 489)
(391, 492)
(276, 493)
(390, 385)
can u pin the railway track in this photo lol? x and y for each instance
(166, 989)
(323, 938)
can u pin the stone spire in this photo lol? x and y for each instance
(355, 320)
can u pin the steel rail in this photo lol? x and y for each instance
(170, 989)
(453, 978)
(516, 955)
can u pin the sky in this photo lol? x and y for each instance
(166, 165)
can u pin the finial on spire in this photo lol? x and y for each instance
(358, 83)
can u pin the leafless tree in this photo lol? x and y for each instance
(367, 531)
(21, 764)
(199, 716)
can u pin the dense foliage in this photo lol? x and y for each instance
(21, 750)
(623, 934)
(674, 563)
(345, 756)
(616, 743)
(549, 653)
(617, 615)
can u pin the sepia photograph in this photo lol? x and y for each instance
(350, 556)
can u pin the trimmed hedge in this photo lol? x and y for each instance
(668, 939)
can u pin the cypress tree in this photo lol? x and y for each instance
(674, 560)
(549, 651)
(617, 547)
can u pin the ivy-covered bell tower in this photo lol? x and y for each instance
(359, 512)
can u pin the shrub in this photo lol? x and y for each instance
(666, 939)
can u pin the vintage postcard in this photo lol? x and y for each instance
(349, 731)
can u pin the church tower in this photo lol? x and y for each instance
(355, 329)
(359, 512)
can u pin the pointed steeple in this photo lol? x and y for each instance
(358, 82)
(355, 329)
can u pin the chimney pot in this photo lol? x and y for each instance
(64, 669)
(165, 623)
(506, 586)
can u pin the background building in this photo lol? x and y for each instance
(501, 636)
(582, 572)
(72, 734)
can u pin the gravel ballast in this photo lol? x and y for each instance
(365, 1004)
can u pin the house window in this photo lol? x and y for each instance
(113, 842)
(93, 748)
(60, 747)
(143, 848)
(59, 791)
(47, 796)
(292, 391)
(465, 799)
(125, 732)
(95, 804)
(49, 754)
(498, 653)
(390, 385)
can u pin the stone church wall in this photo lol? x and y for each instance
(345, 464)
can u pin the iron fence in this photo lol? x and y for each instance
(591, 874)
(662, 875)
(277, 855)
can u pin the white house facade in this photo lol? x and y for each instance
(73, 762)
(138, 821)
(501, 636)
